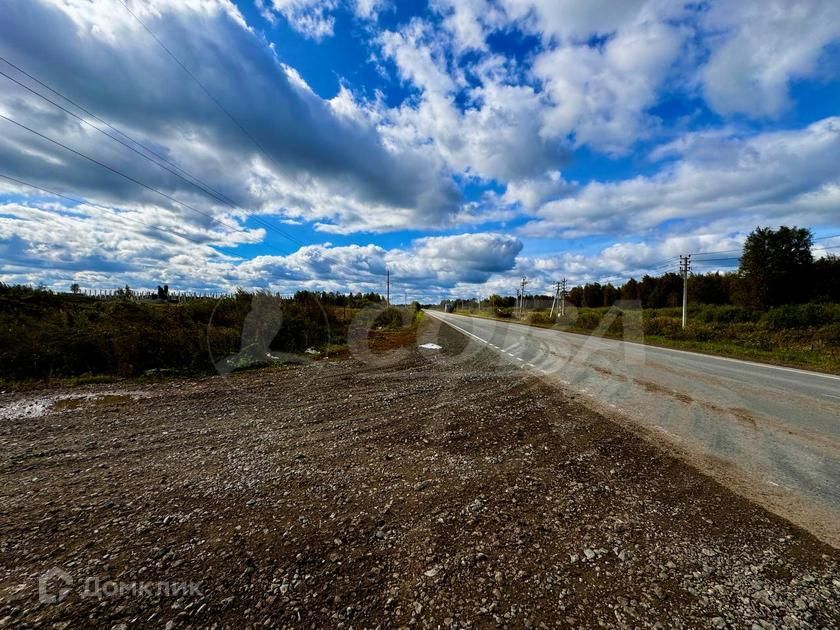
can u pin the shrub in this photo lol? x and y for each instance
(391, 318)
(801, 316)
(45, 335)
(539, 318)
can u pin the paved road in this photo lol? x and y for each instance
(778, 427)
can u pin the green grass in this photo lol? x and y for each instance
(804, 336)
(55, 337)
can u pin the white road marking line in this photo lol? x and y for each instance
(694, 355)
(517, 358)
(833, 396)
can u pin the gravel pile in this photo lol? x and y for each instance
(437, 492)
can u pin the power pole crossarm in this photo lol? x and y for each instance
(685, 268)
(563, 298)
(522, 297)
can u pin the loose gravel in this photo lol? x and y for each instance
(439, 491)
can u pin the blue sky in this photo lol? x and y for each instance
(461, 144)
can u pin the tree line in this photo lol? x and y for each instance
(776, 267)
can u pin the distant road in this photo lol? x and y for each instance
(777, 429)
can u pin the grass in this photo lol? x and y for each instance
(73, 339)
(802, 336)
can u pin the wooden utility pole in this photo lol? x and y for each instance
(388, 287)
(685, 268)
(563, 297)
(555, 300)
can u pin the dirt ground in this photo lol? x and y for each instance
(437, 490)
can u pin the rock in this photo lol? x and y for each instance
(589, 554)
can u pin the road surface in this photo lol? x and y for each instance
(770, 432)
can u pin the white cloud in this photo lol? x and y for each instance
(574, 20)
(774, 176)
(534, 192)
(319, 160)
(474, 113)
(759, 48)
(369, 9)
(312, 18)
(601, 97)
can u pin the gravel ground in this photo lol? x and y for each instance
(439, 491)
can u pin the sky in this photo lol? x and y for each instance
(459, 144)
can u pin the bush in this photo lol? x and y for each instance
(801, 316)
(722, 314)
(391, 318)
(45, 335)
(588, 319)
(539, 318)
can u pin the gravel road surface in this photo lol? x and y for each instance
(772, 433)
(429, 488)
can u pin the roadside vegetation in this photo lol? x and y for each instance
(781, 306)
(46, 335)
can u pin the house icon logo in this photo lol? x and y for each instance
(47, 593)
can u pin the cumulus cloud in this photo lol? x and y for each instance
(317, 160)
(759, 48)
(467, 134)
(496, 135)
(312, 18)
(56, 244)
(601, 96)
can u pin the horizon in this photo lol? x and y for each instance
(313, 144)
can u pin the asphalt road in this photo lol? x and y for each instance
(775, 431)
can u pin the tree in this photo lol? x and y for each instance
(711, 288)
(593, 295)
(75, 289)
(827, 279)
(776, 267)
(576, 296)
(630, 290)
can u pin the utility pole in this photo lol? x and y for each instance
(518, 299)
(685, 267)
(563, 297)
(388, 287)
(555, 300)
(523, 282)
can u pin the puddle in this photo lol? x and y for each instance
(431, 346)
(37, 406)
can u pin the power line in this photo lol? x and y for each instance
(113, 212)
(200, 84)
(104, 122)
(200, 185)
(128, 177)
(723, 251)
(707, 260)
(218, 104)
(730, 251)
